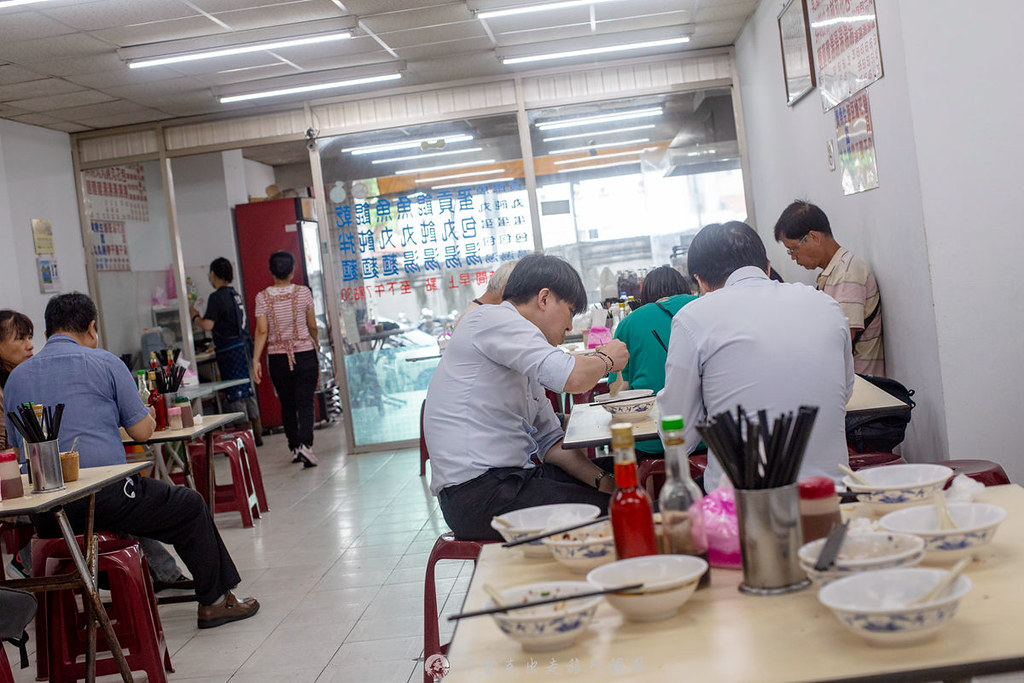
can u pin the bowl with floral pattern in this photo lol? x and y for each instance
(976, 524)
(583, 549)
(862, 553)
(531, 521)
(631, 410)
(548, 627)
(890, 486)
(876, 605)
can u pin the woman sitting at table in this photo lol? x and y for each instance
(15, 346)
(664, 292)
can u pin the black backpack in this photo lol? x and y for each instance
(882, 430)
(17, 608)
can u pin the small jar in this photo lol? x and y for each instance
(10, 476)
(174, 418)
(819, 507)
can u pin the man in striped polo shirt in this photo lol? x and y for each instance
(804, 230)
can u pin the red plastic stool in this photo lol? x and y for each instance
(651, 473)
(859, 461)
(133, 615)
(240, 494)
(6, 675)
(985, 471)
(251, 461)
(447, 547)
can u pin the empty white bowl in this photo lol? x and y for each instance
(532, 521)
(874, 604)
(546, 627)
(976, 524)
(669, 581)
(583, 549)
(633, 410)
(626, 394)
(903, 485)
(863, 552)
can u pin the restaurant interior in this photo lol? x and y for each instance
(604, 132)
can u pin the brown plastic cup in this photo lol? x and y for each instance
(69, 465)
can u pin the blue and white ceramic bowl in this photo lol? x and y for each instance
(547, 627)
(532, 521)
(861, 553)
(668, 582)
(633, 410)
(583, 549)
(976, 524)
(874, 604)
(898, 485)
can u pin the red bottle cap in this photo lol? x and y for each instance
(813, 488)
(8, 456)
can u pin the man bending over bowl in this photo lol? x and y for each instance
(487, 415)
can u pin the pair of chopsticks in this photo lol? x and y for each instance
(546, 601)
(31, 428)
(754, 457)
(555, 532)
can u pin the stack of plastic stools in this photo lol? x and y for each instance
(240, 494)
(132, 611)
(251, 461)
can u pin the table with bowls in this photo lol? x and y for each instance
(720, 634)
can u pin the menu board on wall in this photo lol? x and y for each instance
(844, 34)
(109, 246)
(117, 193)
(856, 140)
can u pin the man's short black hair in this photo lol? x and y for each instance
(69, 313)
(534, 272)
(721, 248)
(661, 282)
(282, 263)
(222, 269)
(800, 218)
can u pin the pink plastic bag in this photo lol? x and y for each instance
(598, 337)
(722, 529)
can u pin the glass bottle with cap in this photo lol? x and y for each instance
(680, 500)
(630, 507)
(819, 507)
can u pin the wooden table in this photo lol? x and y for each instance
(204, 428)
(722, 635)
(590, 425)
(91, 480)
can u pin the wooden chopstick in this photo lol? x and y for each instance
(546, 601)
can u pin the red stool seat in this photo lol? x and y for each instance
(240, 494)
(651, 472)
(6, 675)
(985, 471)
(859, 461)
(251, 461)
(132, 611)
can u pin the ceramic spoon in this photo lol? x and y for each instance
(945, 521)
(853, 475)
(943, 585)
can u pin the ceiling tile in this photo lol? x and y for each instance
(11, 73)
(440, 50)
(30, 26)
(214, 6)
(56, 102)
(452, 13)
(71, 66)
(36, 119)
(38, 88)
(122, 76)
(72, 45)
(68, 127)
(450, 33)
(152, 92)
(92, 16)
(7, 111)
(125, 119)
(720, 11)
(275, 15)
(94, 111)
(160, 31)
(606, 29)
(365, 8)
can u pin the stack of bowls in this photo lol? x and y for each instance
(546, 627)
(532, 521)
(892, 487)
(976, 524)
(668, 582)
(862, 553)
(583, 549)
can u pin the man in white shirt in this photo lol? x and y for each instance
(495, 290)
(487, 416)
(758, 343)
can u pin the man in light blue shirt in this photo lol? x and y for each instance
(758, 343)
(487, 416)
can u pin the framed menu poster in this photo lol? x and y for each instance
(844, 35)
(795, 37)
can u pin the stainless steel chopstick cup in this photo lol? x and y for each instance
(770, 536)
(44, 462)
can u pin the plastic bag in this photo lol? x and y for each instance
(722, 529)
(599, 336)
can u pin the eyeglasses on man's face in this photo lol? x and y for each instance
(793, 249)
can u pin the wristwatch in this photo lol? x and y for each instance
(598, 478)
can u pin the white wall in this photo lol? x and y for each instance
(257, 178)
(885, 226)
(36, 181)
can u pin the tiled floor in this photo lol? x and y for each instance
(337, 565)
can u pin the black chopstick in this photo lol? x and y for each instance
(656, 336)
(833, 544)
(555, 532)
(546, 601)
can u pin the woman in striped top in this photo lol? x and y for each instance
(286, 326)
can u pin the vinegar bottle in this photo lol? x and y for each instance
(680, 500)
(630, 507)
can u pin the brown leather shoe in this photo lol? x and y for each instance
(227, 610)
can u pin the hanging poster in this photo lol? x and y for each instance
(109, 246)
(844, 35)
(42, 236)
(49, 276)
(856, 145)
(117, 193)
(797, 64)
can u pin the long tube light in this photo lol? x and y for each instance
(596, 50)
(525, 9)
(407, 144)
(429, 155)
(308, 88)
(603, 145)
(602, 118)
(474, 182)
(425, 181)
(445, 167)
(4, 4)
(595, 133)
(238, 50)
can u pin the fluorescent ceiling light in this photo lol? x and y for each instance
(596, 50)
(602, 118)
(585, 148)
(464, 164)
(595, 133)
(407, 144)
(580, 160)
(475, 182)
(238, 50)
(308, 88)
(587, 168)
(525, 9)
(424, 181)
(429, 155)
(4, 4)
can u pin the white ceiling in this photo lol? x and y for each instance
(63, 62)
